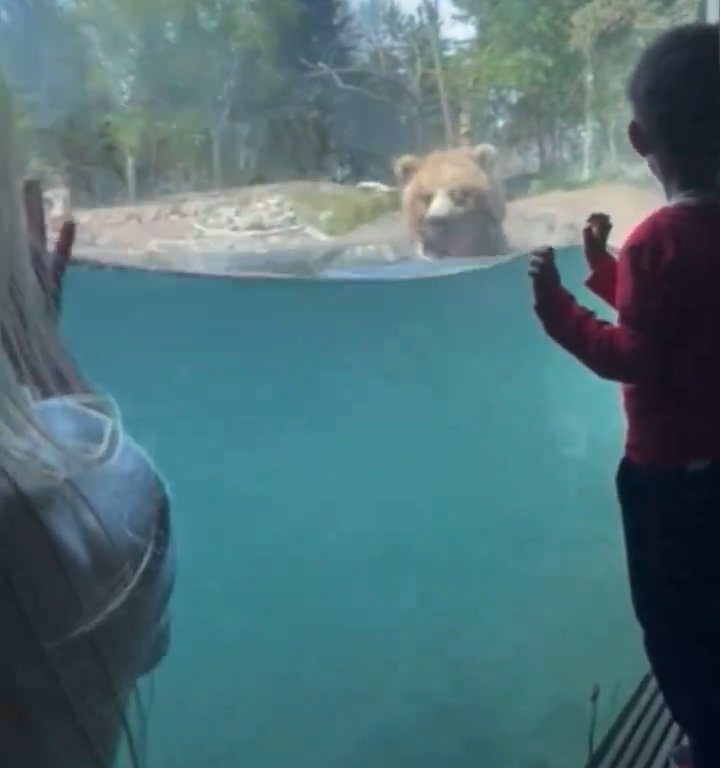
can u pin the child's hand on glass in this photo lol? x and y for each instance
(543, 271)
(595, 239)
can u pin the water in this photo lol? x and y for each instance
(394, 504)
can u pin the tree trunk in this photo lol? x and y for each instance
(557, 144)
(588, 133)
(464, 131)
(131, 175)
(612, 142)
(155, 163)
(217, 158)
(418, 127)
(542, 149)
(541, 142)
(434, 35)
(244, 150)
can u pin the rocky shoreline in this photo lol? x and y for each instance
(260, 231)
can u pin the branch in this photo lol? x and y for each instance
(323, 70)
(336, 74)
(419, 67)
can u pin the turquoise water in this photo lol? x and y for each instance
(394, 505)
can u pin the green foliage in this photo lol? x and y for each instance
(523, 44)
(315, 31)
(186, 88)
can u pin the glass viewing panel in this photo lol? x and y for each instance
(397, 534)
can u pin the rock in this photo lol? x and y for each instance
(375, 186)
(86, 238)
(267, 215)
(151, 213)
(190, 208)
(103, 241)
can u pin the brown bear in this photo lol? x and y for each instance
(453, 202)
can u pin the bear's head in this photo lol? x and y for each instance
(453, 203)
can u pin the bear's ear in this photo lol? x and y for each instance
(486, 156)
(405, 168)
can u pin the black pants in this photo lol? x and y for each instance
(672, 533)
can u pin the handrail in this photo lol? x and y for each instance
(643, 734)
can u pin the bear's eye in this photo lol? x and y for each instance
(427, 199)
(460, 196)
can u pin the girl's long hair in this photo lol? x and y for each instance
(34, 365)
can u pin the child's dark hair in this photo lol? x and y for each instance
(675, 93)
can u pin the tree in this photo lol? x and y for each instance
(127, 93)
(123, 37)
(521, 63)
(236, 44)
(44, 58)
(430, 18)
(609, 34)
(404, 59)
(315, 31)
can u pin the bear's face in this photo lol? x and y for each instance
(453, 203)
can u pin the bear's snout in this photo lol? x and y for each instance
(435, 233)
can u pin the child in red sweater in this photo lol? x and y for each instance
(665, 351)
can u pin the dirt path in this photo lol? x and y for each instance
(557, 218)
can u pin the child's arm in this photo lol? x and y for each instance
(603, 267)
(624, 352)
(603, 280)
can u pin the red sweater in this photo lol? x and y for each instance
(665, 348)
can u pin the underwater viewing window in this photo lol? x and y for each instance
(398, 542)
